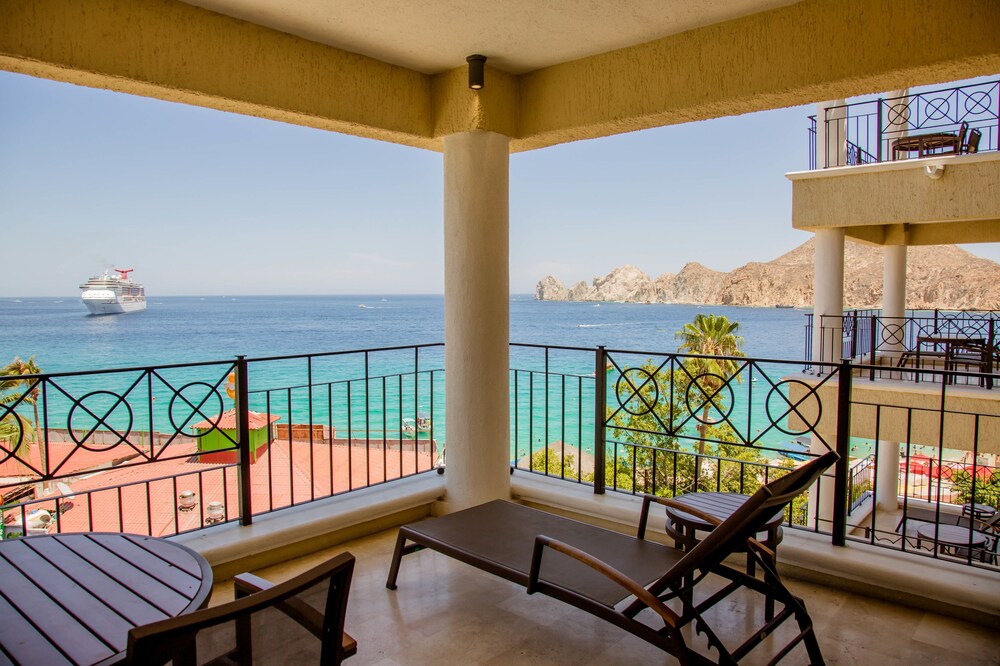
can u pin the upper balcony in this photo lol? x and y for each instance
(949, 121)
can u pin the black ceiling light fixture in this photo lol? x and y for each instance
(477, 71)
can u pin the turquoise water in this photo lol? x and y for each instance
(63, 338)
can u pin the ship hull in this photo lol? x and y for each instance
(100, 304)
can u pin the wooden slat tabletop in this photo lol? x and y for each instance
(71, 598)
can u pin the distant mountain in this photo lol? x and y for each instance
(939, 276)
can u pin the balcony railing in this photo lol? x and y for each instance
(312, 426)
(959, 340)
(869, 132)
(170, 449)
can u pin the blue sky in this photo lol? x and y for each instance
(203, 202)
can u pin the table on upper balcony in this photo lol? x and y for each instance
(72, 598)
(924, 144)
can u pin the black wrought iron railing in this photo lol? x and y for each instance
(169, 449)
(941, 458)
(951, 120)
(670, 424)
(961, 340)
(299, 428)
(860, 484)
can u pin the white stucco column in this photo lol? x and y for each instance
(892, 344)
(476, 318)
(831, 134)
(887, 476)
(893, 299)
(828, 296)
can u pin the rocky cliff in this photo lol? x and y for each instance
(941, 276)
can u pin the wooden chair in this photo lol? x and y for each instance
(300, 621)
(615, 576)
(972, 144)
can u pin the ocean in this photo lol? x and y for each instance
(63, 337)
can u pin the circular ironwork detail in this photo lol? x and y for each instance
(214, 420)
(977, 102)
(892, 334)
(899, 114)
(794, 409)
(628, 376)
(695, 412)
(937, 108)
(6, 411)
(99, 420)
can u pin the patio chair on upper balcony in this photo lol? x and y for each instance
(972, 143)
(300, 621)
(616, 577)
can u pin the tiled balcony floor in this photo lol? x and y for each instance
(446, 612)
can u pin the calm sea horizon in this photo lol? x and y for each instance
(64, 337)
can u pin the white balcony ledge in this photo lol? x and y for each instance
(296, 531)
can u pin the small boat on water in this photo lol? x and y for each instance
(784, 306)
(421, 424)
(113, 294)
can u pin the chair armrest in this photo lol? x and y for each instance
(641, 594)
(245, 584)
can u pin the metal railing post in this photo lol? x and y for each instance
(874, 344)
(841, 470)
(854, 334)
(878, 129)
(600, 415)
(243, 414)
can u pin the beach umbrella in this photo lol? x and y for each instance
(918, 464)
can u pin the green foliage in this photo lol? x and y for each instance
(987, 491)
(19, 392)
(659, 456)
(553, 463)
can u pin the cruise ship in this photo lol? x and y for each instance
(113, 294)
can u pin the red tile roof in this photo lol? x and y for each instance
(227, 421)
(283, 475)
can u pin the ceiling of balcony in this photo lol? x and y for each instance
(517, 36)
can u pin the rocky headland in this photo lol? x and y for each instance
(939, 276)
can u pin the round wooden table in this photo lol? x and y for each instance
(72, 598)
(950, 536)
(685, 526)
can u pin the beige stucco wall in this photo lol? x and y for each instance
(806, 52)
(904, 412)
(875, 201)
(173, 51)
(793, 55)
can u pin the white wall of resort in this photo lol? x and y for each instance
(476, 305)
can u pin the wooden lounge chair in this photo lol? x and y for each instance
(300, 621)
(615, 576)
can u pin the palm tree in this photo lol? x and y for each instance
(711, 337)
(21, 390)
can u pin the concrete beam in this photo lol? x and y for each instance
(788, 56)
(180, 53)
(803, 53)
(896, 203)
